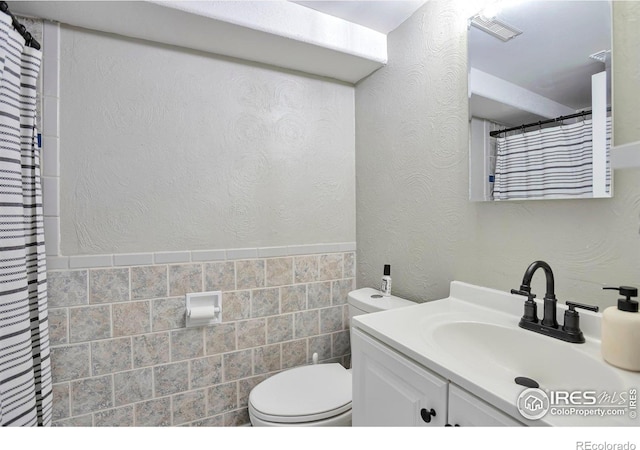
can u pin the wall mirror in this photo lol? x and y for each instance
(540, 101)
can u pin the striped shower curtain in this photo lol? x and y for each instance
(546, 163)
(25, 371)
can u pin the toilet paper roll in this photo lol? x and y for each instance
(203, 313)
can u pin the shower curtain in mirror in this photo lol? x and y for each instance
(25, 373)
(546, 163)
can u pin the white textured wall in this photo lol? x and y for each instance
(626, 71)
(168, 149)
(413, 210)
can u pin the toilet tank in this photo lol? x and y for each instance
(368, 300)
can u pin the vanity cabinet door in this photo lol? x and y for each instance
(467, 410)
(390, 390)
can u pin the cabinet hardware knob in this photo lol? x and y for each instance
(426, 415)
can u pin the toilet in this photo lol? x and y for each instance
(315, 395)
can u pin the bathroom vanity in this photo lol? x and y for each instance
(392, 390)
(454, 362)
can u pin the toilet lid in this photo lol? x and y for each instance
(303, 394)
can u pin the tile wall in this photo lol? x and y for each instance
(121, 355)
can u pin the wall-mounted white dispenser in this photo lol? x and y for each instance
(203, 308)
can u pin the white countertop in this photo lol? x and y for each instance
(412, 331)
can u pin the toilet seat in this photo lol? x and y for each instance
(304, 394)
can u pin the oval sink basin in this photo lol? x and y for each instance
(506, 353)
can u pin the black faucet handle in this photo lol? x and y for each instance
(573, 305)
(571, 324)
(524, 292)
(530, 307)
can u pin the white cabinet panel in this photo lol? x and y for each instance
(391, 390)
(467, 410)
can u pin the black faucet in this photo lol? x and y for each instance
(570, 331)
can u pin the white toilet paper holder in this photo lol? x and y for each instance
(203, 308)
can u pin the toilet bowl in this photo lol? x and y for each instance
(318, 394)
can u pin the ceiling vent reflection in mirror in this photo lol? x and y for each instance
(601, 55)
(495, 27)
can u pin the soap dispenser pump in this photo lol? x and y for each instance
(621, 331)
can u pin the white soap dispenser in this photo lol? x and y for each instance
(621, 331)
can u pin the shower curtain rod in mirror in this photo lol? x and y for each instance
(542, 122)
(28, 39)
